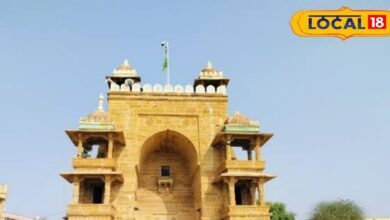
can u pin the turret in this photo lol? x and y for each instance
(211, 76)
(123, 77)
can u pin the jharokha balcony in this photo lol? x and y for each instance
(98, 211)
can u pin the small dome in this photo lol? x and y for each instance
(98, 120)
(240, 119)
(241, 123)
(209, 72)
(125, 70)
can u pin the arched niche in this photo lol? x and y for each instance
(172, 141)
(174, 193)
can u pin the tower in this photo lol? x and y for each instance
(167, 152)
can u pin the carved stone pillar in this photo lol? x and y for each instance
(76, 189)
(232, 194)
(249, 150)
(261, 191)
(252, 188)
(110, 145)
(80, 145)
(257, 149)
(107, 189)
(228, 148)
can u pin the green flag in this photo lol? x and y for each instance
(165, 64)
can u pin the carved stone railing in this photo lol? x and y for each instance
(242, 165)
(90, 210)
(98, 163)
(158, 88)
(245, 211)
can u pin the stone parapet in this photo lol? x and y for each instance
(242, 165)
(89, 163)
(158, 88)
(90, 210)
(245, 211)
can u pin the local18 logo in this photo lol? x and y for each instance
(342, 23)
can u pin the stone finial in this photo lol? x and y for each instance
(98, 120)
(209, 66)
(100, 103)
(210, 72)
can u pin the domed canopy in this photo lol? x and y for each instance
(125, 70)
(209, 75)
(210, 72)
(241, 123)
(124, 74)
(98, 120)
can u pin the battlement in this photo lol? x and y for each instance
(167, 89)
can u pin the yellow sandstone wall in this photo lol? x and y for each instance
(142, 115)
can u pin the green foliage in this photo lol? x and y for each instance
(278, 211)
(337, 210)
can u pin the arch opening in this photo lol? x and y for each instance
(168, 177)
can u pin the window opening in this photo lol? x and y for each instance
(165, 171)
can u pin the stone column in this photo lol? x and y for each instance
(253, 193)
(107, 189)
(232, 194)
(261, 191)
(76, 189)
(249, 150)
(80, 145)
(110, 145)
(257, 149)
(228, 148)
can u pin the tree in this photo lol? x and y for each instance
(337, 210)
(278, 211)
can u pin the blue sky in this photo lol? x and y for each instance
(326, 100)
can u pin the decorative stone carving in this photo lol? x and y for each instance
(125, 87)
(210, 89)
(125, 70)
(113, 86)
(136, 87)
(241, 123)
(189, 89)
(165, 184)
(168, 88)
(129, 82)
(157, 88)
(221, 89)
(199, 89)
(209, 72)
(179, 89)
(147, 88)
(97, 120)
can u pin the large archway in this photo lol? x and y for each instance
(168, 178)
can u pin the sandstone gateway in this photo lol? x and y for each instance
(167, 152)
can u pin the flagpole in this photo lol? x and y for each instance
(166, 61)
(168, 73)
